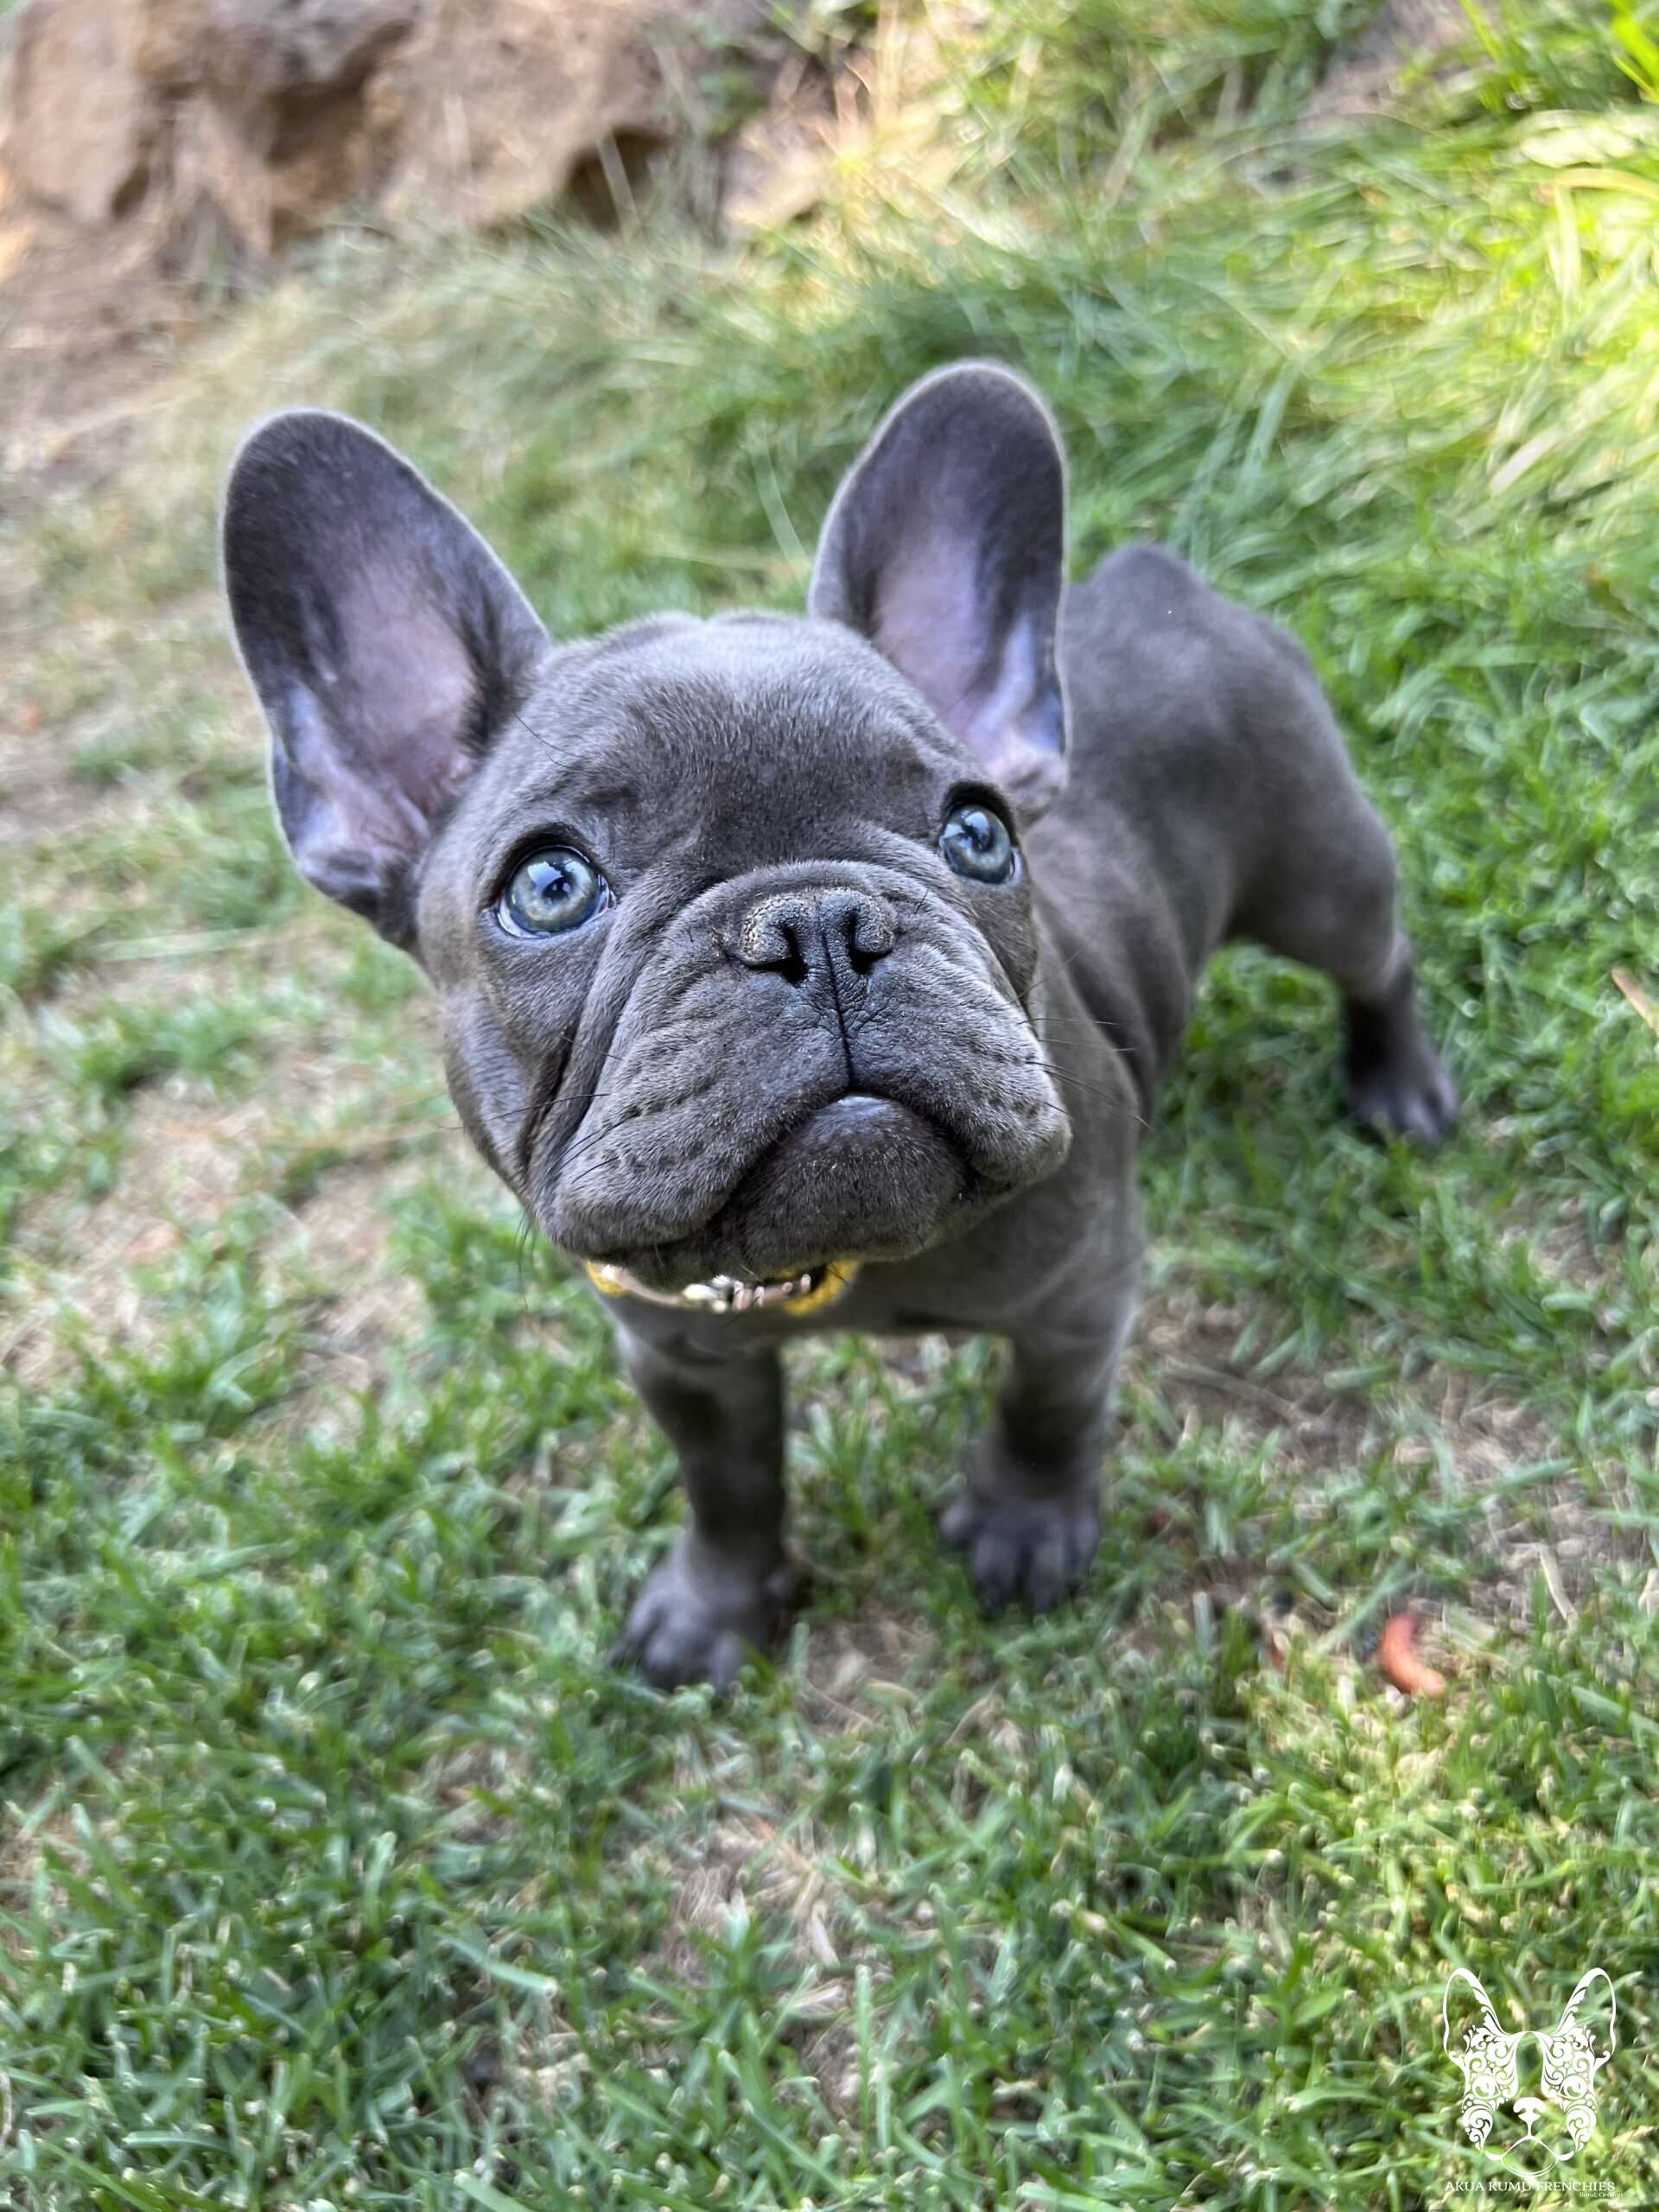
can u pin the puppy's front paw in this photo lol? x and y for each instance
(1411, 1096)
(1038, 1549)
(694, 1622)
(1397, 1085)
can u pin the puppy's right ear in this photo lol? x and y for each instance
(385, 643)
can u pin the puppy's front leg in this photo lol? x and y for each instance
(1028, 1517)
(727, 1584)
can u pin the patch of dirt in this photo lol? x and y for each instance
(751, 1863)
(763, 1860)
(188, 1159)
(43, 795)
(1559, 1528)
(853, 1666)
(183, 1168)
(189, 1156)
(553, 2077)
(1559, 1245)
(1182, 1350)
(88, 331)
(454, 1780)
(550, 2069)
(1483, 1437)
(340, 1241)
(714, 1881)
(1399, 46)
(22, 1858)
(780, 165)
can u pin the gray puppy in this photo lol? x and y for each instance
(818, 974)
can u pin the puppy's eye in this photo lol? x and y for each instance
(977, 844)
(552, 892)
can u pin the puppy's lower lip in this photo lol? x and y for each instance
(856, 1117)
(856, 1107)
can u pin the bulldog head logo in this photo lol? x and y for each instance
(1540, 2080)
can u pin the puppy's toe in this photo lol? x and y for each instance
(1416, 1099)
(679, 1630)
(1035, 1550)
(680, 1651)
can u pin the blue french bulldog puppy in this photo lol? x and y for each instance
(805, 973)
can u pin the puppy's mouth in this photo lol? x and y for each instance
(802, 1294)
(863, 1178)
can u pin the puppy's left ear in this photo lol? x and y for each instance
(944, 549)
(1593, 2007)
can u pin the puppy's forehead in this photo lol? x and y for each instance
(760, 708)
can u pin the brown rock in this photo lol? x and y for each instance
(254, 112)
(502, 103)
(82, 121)
(281, 121)
(146, 145)
(250, 122)
(780, 165)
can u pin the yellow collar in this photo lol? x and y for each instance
(805, 1293)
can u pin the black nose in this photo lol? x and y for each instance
(817, 933)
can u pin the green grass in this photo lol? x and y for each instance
(341, 1868)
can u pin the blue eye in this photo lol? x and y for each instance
(978, 844)
(552, 892)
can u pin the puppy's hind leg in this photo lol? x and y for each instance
(1398, 1084)
(1325, 894)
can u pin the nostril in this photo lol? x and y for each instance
(866, 931)
(790, 962)
(773, 937)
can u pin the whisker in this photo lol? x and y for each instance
(1087, 1025)
(537, 736)
(1112, 1097)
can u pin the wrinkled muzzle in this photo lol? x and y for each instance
(810, 1065)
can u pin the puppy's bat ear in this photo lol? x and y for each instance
(1593, 2007)
(1465, 2005)
(385, 643)
(944, 549)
